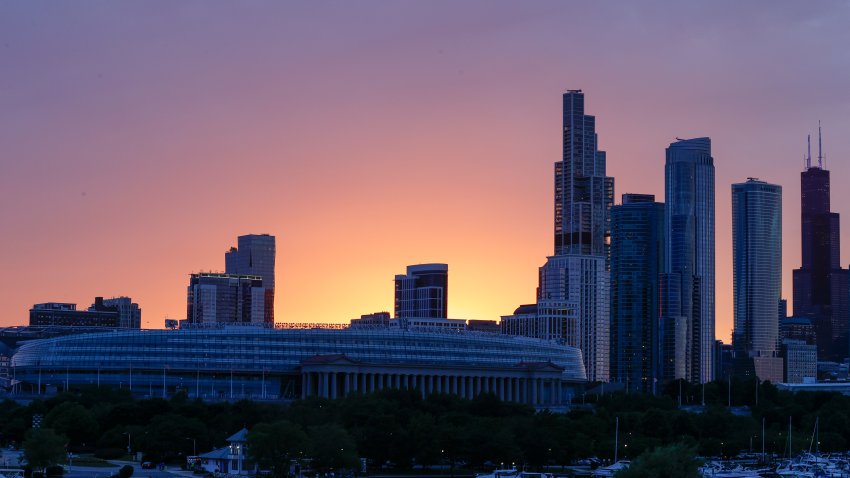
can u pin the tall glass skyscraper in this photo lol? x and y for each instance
(821, 290)
(255, 255)
(687, 313)
(578, 272)
(757, 274)
(583, 193)
(637, 260)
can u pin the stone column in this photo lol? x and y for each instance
(333, 385)
(324, 391)
(534, 389)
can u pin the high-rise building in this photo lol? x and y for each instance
(129, 313)
(578, 272)
(583, 193)
(422, 292)
(637, 260)
(687, 302)
(821, 290)
(226, 299)
(255, 255)
(757, 278)
(574, 290)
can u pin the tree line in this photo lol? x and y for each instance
(399, 430)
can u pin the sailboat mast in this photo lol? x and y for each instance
(616, 437)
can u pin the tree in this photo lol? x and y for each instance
(274, 445)
(74, 421)
(43, 448)
(674, 461)
(331, 447)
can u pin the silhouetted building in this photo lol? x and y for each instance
(422, 292)
(637, 260)
(687, 312)
(375, 319)
(490, 326)
(821, 289)
(255, 255)
(723, 360)
(129, 313)
(798, 328)
(226, 299)
(67, 315)
(757, 277)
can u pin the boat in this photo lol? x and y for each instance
(611, 470)
(505, 473)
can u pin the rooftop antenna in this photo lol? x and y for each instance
(820, 148)
(809, 154)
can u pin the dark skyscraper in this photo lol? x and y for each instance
(583, 193)
(637, 260)
(820, 285)
(255, 255)
(422, 292)
(757, 277)
(688, 308)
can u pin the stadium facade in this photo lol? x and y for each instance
(235, 362)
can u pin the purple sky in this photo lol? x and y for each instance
(140, 138)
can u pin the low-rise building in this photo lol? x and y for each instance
(801, 361)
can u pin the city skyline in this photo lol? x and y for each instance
(483, 133)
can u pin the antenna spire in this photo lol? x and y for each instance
(820, 148)
(809, 154)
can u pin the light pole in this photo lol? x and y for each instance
(129, 434)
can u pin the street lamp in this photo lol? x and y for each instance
(129, 452)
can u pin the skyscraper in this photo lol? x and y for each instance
(422, 292)
(687, 302)
(637, 260)
(583, 193)
(757, 278)
(578, 272)
(255, 255)
(821, 290)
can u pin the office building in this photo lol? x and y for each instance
(637, 260)
(757, 278)
(129, 313)
(226, 299)
(687, 302)
(574, 302)
(547, 320)
(66, 315)
(422, 292)
(255, 256)
(800, 361)
(821, 290)
(798, 328)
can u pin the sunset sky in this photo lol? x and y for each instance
(138, 139)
